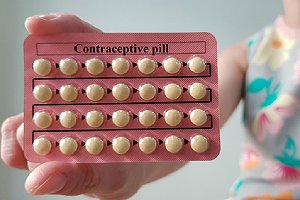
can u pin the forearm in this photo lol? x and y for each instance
(232, 69)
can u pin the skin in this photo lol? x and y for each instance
(115, 181)
(292, 13)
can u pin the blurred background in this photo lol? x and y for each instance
(230, 21)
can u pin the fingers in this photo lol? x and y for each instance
(62, 178)
(108, 181)
(11, 152)
(58, 23)
(32, 166)
(20, 136)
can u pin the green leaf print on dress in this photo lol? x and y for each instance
(260, 84)
(288, 154)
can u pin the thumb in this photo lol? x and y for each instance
(62, 178)
(108, 181)
(58, 23)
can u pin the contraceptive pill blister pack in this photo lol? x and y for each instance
(121, 97)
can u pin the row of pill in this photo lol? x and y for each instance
(120, 92)
(120, 66)
(120, 145)
(120, 118)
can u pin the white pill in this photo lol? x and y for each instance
(147, 145)
(42, 67)
(42, 93)
(68, 66)
(197, 90)
(172, 65)
(197, 65)
(121, 145)
(147, 118)
(199, 143)
(121, 92)
(173, 144)
(120, 66)
(94, 145)
(172, 117)
(120, 118)
(147, 91)
(94, 92)
(42, 119)
(68, 146)
(68, 119)
(42, 146)
(94, 66)
(94, 119)
(198, 117)
(146, 66)
(172, 91)
(68, 93)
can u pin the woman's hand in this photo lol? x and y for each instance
(103, 181)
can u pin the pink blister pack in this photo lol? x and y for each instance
(121, 97)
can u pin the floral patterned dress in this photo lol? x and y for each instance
(270, 165)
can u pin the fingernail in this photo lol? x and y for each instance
(48, 17)
(51, 185)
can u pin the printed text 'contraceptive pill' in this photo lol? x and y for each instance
(121, 97)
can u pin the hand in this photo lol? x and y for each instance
(108, 181)
(103, 181)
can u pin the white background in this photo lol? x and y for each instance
(230, 21)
